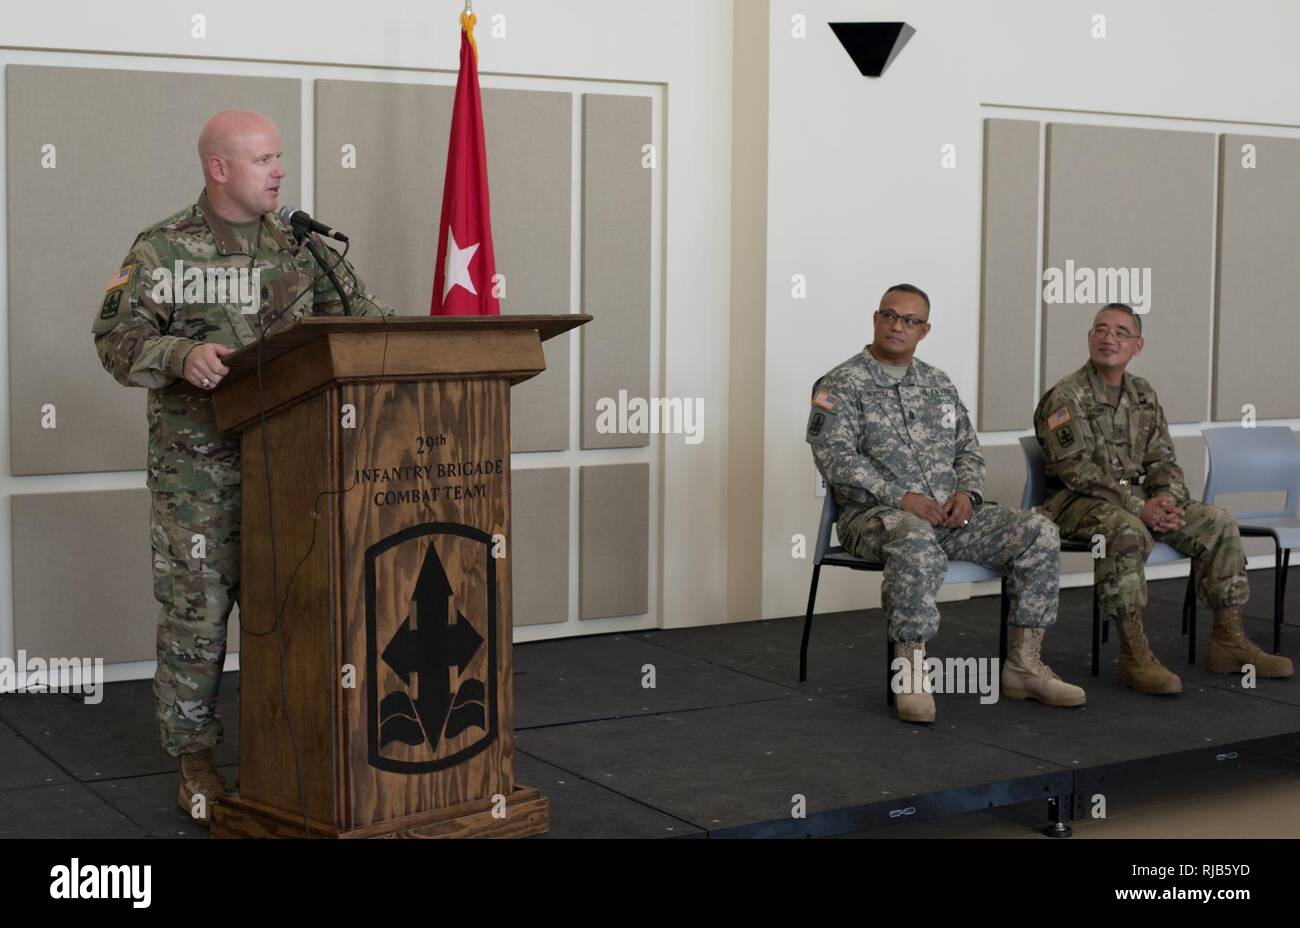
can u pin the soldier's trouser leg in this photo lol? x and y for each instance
(1210, 536)
(1028, 543)
(914, 569)
(1119, 575)
(196, 579)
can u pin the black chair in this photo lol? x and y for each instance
(835, 556)
(1258, 460)
(1036, 491)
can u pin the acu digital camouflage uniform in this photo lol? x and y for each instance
(1103, 463)
(193, 469)
(875, 440)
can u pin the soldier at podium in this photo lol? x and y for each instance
(194, 288)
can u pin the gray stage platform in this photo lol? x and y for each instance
(728, 737)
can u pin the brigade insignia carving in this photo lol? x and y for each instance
(431, 659)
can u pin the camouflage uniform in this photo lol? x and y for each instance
(875, 440)
(1103, 463)
(193, 469)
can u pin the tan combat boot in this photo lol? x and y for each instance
(1230, 649)
(1138, 667)
(913, 707)
(1025, 676)
(199, 776)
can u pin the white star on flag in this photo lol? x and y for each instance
(457, 272)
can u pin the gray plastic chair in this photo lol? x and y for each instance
(1260, 460)
(1036, 491)
(829, 555)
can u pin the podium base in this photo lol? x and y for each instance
(527, 814)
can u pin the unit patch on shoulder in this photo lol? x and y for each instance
(1066, 436)
(121, 279)
(111, 303)
(1059, 418)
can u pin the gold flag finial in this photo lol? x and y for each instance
(467, 22)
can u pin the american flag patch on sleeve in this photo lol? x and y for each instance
(122, 279)
(1058, 418)
(824, 400)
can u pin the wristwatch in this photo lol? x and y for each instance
(976, 498)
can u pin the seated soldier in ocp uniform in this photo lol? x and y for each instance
(1111, 466)
(896, 446)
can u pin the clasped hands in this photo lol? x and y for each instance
(955, 513)
(1161, 514)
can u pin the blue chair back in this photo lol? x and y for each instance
(1035, 477)
(1253, 460)
(830, 514)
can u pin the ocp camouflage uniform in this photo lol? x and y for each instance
(194, 469)
(875, 440)
(1103, 463)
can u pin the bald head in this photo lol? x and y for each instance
(240, 151)
(229, 132)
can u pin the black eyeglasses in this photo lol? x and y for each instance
(1102, 331)
(890, 317)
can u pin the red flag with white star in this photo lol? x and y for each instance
(463, 280)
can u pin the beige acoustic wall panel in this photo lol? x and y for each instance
(530, 150)
(1004, 475)
(1257, 327)
(83, 576)
(615, 259)
(381, 153)
(615, 540)
(93, 156)
(1120, 198)
(539, 546)
(1009, 274)
(381, 161)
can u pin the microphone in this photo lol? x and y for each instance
(301, 221)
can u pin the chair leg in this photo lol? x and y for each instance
(1105, 620)
(1006, 615)
(1189, 599)
(1096, 634)
(889, 669)
(807, 625)
(1280, 563)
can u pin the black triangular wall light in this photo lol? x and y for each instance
(873, 46)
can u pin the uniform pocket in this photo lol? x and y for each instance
(162, 559)
(178, 580)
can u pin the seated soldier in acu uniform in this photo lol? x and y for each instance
(1110, 464)
(896, 446)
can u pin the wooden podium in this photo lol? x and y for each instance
(386, 525)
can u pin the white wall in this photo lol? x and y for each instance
(683, 45)
(858, 200)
